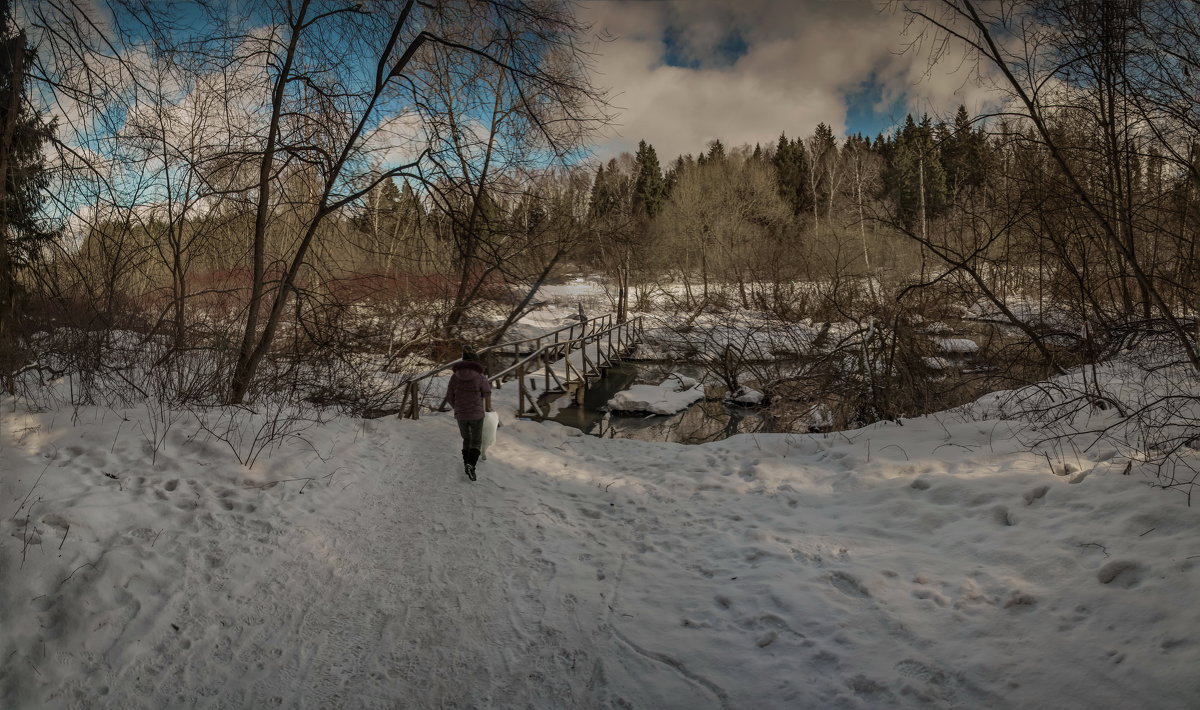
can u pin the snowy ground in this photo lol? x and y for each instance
(934, 564)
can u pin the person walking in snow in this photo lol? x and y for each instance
(470, 394)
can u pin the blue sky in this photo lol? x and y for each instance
(868, 113)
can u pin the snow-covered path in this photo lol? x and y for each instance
(412, 588)
(403, 592)
(938, 564)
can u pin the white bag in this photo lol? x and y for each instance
(490, 421)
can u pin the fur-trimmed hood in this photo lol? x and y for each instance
(470, 365)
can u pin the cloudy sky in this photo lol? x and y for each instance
(682, 72)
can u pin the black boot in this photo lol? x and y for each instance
(469, 463)
(472, 459)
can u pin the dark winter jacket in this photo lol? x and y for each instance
(468, 386)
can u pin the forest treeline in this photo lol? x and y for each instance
(241, 195)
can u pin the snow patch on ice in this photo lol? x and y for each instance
(674, 394)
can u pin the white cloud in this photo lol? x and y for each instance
(801, 59)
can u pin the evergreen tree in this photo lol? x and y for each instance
(963, 153)
(716, 151)
(649, 189)
(680, 166)
(610, 192)
(381, 205)
(791, 172)
(23, 179)
(916, 179)
(597, 202)
(822, 156)
(410, 205)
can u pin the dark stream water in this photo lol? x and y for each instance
(714, 419)
(703, 421)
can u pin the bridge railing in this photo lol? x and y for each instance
(546, 349)
(608, 344)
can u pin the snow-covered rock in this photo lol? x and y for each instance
(820, 418)
(936, 363)
(747, 396)
(956, 346)
(675, 394)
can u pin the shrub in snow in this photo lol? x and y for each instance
(679, 382)
(820, 418)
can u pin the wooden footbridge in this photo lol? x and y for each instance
(563, 360)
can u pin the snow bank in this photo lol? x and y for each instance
(937, 563)
(956, 346)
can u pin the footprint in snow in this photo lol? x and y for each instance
(1003, 517)
(848, 584)
(1121, 573)
(1035, 494)
(935, 679)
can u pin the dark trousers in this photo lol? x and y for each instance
(472, 436)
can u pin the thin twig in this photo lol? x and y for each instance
(35, 483)
(26, 536)
(69, 576)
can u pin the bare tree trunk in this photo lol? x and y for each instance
(986, 45)
(519, 309)
(464, 293)
(247, 363)
(14, 49)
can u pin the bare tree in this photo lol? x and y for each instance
(1051, 53)
(719, 212)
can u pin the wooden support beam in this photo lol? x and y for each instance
(403, 411)
(521, 390)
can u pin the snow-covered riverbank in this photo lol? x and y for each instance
(934, 564)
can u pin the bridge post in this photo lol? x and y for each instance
(587, 365)
(403, 412)
(521, 390)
